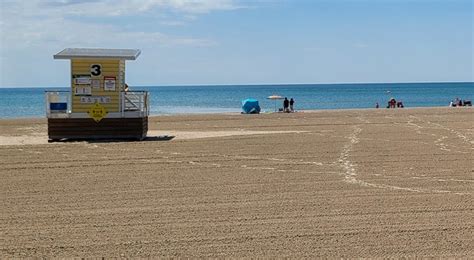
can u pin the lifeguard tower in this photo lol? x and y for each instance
(98, 106)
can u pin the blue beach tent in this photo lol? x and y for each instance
(250, 106)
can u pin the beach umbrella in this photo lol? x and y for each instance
(275, 98)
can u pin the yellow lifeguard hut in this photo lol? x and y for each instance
(99, 105)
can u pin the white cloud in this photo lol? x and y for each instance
(129, 7)
(172, 23)
(34, 23)
(31, 29)
(67, 33)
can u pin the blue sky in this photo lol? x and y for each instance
(187, 42)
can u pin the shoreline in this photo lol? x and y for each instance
(270, 112)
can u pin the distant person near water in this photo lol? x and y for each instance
(392, 103)
(285, 105)
(458, 102)
(377, 105)
(292, 102)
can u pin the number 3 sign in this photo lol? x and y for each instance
(96, 70)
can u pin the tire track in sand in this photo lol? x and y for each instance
(439, 142)
(350, 173)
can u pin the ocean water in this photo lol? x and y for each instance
(165, 100)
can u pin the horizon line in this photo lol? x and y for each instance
(261, 84)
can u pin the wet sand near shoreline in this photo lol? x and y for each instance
(341, 183)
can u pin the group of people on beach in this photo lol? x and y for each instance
(460, 103)
(392, 103)
(288, 105)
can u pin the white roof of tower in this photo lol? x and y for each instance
(84, 53)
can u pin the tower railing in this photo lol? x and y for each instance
(135, 101)
(132, 104)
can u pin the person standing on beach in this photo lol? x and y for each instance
(292, 102)
(285, 105)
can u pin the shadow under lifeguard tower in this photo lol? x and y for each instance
(98, 106)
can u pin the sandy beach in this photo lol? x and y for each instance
(339, 183)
